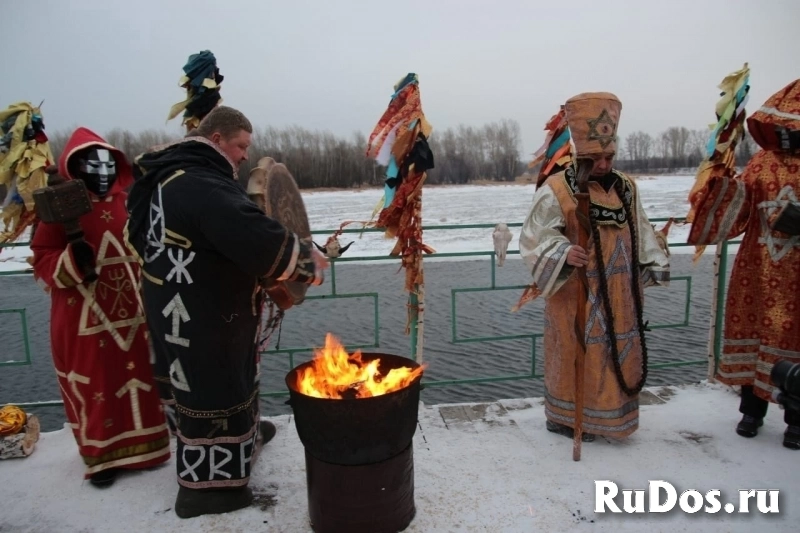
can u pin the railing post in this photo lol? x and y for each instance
(333, 277)
(492, 258)
(25, 337)
(413, 302)
(718, 309)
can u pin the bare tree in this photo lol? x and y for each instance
(746, 149)
(677, 140)
(646, 145)
(632, 147)
(662, 147)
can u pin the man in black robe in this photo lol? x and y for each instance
(204, 246)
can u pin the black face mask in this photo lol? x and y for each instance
(97, 168)
(789, 139)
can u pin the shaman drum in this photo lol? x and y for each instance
(272, 187)
(257, 182)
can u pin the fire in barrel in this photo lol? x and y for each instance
(356, 415)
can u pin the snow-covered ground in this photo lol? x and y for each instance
(662, 197)
(488, 468)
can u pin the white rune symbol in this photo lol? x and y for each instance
(178, 311)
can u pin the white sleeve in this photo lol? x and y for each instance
(542, 243)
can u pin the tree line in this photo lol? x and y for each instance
(673, 149)
(464, 154)
(322, 159)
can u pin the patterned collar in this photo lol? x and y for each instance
(603, 214)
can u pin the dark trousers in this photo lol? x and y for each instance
(754, 406)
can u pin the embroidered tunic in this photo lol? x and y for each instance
(547, 235)
(98, 332)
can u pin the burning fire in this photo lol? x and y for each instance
(335, 374)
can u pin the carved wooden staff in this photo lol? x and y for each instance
(583, 169)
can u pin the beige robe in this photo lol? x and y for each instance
(547, 235)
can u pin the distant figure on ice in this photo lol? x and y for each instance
(205, 246)
(333, 248)
(501, 236)
(622, 257)
(97, 324)
(762, 312)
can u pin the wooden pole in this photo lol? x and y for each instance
(583, 168)
(417, 297)
(712, 329)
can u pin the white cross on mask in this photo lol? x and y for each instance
(99, 170)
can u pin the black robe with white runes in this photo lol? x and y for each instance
(203, 246)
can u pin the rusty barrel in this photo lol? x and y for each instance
(359, 454)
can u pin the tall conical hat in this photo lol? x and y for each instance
(593, 119)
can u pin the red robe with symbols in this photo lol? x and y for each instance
(98, 332)
(762, 311)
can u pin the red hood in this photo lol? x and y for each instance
(782, 109)
(84, 138)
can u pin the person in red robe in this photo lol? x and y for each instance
(98, 331)
(762, 312)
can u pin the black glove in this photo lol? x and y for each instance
(306, 270)
(788, 220)
(84, 259)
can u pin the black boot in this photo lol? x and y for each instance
(567, 431)
(267, 431)
(748, 427)
(104, 478)
(754, 410)
(196, 502)
(791, 438)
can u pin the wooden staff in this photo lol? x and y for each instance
(584, 168)
(711, 370)
(417, 296)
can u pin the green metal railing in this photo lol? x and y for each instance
(290, 352)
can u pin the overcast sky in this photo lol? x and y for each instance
(331, 65)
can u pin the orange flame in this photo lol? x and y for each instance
(334, 374)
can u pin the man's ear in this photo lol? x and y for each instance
(216, 137)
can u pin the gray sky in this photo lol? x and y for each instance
(331, 65)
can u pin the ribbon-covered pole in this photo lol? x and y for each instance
(399, 142)
(726, 134)
(24, 157)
